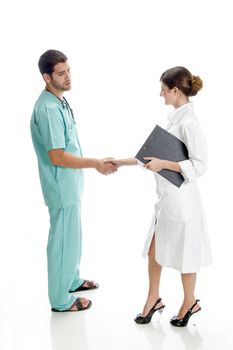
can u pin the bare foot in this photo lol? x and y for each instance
(80, 304)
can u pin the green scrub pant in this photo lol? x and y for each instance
(64, 253)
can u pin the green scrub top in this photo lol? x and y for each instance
(52, 127)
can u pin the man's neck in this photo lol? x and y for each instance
(57, 93)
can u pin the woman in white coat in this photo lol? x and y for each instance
(178, 235)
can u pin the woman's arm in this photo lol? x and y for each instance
(196, 164)
(195, 141)
(124, 162)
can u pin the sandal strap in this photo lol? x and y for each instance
(157, 302)
(79, 305)
(192, 307)
(89, 284)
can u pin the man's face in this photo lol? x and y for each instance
(61, 77)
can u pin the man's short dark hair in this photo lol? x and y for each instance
(49, 59)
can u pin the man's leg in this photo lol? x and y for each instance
(64, 252)
(77, 281)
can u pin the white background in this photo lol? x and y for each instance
(117, 51)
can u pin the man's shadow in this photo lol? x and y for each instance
(68, 331)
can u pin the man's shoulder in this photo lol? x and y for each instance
(46, 107)
(46, 99)
(47, 102)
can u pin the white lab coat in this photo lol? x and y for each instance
(181, 238)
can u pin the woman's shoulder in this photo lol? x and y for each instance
(190, 120)
(190, 128)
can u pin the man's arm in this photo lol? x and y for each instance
(64, 159)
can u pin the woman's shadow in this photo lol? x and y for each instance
(154, 333)
(190, 336)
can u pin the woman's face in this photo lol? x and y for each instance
(169, 95)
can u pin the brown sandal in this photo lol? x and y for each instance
(89, 285)
(79, 306)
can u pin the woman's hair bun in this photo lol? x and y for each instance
(197, 84)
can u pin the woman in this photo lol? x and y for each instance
(178, 235)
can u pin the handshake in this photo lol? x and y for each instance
(108, 166)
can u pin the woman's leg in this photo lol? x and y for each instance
(154, 271)
(189, 283)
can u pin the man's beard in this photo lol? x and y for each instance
(59, 86)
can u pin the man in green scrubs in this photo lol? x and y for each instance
(60, 164)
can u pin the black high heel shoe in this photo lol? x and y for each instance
(146, 319)
(182, 322)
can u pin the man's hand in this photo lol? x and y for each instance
(155, 164)
(117, 163)
(106, 166)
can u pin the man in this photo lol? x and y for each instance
(60, 165)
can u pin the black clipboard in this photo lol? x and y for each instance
(163, 145)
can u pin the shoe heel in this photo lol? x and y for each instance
(159, 314)
(195, 319)
(146, 319)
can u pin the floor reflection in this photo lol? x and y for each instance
(154, 334)
(190, 337)
(68, 331)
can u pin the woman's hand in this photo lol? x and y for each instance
(155, 164)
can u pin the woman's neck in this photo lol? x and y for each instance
(181, 101)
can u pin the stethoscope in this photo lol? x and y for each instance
(65, 104)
